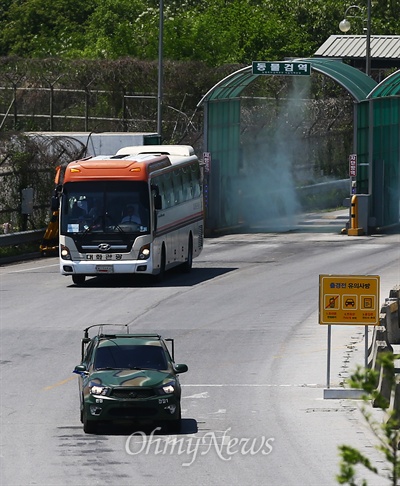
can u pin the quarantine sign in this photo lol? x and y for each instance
(286, 68)
(349, 299)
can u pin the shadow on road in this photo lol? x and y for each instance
(188, 426)
(173, 278)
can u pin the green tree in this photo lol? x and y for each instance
(44, 28)
(213, 31)
(115, 29)
(387, 433)
(236, 32)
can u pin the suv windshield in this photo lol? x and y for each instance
(130, 356)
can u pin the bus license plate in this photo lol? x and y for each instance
(104, 268)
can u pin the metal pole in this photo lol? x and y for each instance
(366, 348)
(160, 69)
(368, 46)
(370, 106)
(368, 43)
(370, 143)
(328, 364)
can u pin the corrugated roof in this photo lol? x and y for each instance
(354, 47)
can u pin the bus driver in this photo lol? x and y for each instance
(132, 215)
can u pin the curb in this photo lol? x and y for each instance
(20, 258)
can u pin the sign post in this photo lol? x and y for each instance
(353, 165)
(285, 68)
(348, 300)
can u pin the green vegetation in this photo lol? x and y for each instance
(387, 432)
(212, 31)
(17, 250)
(29, 162)
(325, 199)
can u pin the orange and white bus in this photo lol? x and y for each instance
(137, 212)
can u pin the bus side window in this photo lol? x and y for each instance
(195, 182)
(158, 189)
(187, 191)
(178, 194)
(168, 191)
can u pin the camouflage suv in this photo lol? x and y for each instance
(129, 378)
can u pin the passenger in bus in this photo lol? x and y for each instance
(132, 215)
(77, 211)
(96, 211)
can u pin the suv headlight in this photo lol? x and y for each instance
(99, 390)
(168, 388)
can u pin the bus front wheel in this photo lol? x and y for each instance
(187, 265)
(78, 279)
(160, 276)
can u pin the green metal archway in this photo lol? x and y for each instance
(354, 81)
(222, 108)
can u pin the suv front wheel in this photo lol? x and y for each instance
(174, 426)
(89, 426)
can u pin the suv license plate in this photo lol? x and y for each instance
(104, 268)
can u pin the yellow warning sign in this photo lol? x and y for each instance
(349, 299)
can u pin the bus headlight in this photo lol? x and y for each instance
(144, 252)
(64, 253)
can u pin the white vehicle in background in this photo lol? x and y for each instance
(161, 185)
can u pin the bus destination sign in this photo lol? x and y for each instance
(283, 68)
(349, 299)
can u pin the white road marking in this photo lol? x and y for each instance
(199, 395)
(251, 385)
(28, 269)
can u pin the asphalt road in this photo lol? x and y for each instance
(245, 322)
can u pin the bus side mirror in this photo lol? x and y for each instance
(54, 203)
(157, 202)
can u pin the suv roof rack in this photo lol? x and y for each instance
(126, 326)
(100, 326)
(136, 335)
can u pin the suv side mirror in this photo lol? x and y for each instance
(181, 368)
(80, 370)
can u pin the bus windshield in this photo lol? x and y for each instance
(105, 207)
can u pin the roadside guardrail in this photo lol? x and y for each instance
(18, 238)
(386, 338)
(21, 237)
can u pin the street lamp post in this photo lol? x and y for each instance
(368, 45)
(160, 69)
(345, 25)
